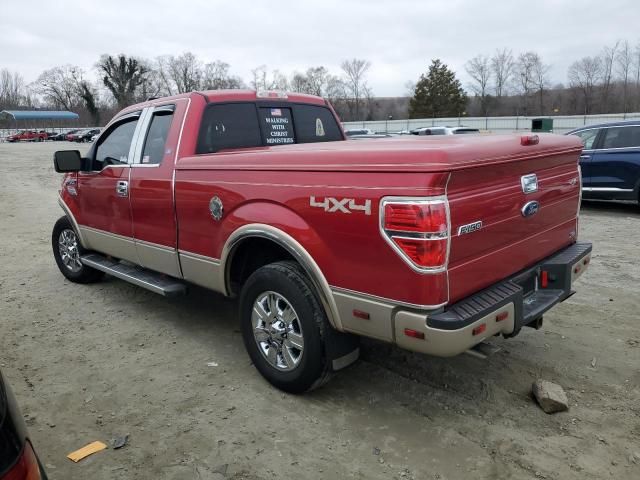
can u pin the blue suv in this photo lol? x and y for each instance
(610, 161)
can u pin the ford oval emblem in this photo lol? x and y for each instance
(530, 208)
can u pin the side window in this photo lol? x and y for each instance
(114, 146)
(154, 144)
(588, 137)
(233, 125)
(622, 137)
(316, 124)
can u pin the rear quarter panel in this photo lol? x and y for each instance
(348, 247)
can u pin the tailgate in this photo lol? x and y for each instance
(510, 237)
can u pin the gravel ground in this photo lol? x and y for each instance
(93, 362)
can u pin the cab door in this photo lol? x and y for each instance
(615, 166)
(151, 188)
(589, 139)
(103, 191)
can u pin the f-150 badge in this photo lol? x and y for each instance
(470, 227)
(344, 205)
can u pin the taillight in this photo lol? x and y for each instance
(418, 230)
(26, 468)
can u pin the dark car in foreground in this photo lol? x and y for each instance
(18, 460)
(610, 161)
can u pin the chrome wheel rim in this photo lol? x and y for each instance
(68, 248)
(277, 331)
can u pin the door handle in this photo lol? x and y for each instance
(122, 188)
(585, 157)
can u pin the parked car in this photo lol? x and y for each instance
(58, 136)
(443, 130)
(433, 246)
(94, 137)
(359, 131)
(18, 460)
(86, 135)
(27, 136)
(370, 135)
(72, 135)
(610, 161)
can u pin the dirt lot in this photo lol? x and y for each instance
(91, 362)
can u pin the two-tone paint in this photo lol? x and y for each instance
(165, 222)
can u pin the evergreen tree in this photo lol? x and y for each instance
(438, 94)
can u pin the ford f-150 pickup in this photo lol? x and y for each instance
(28, 136)
(434, 244)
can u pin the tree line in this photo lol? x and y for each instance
(519, 84)
(123, 80)
(502, 83)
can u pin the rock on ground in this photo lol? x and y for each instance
(550, 396)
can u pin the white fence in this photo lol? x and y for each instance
(561, 124)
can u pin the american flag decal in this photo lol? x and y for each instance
(276, 112)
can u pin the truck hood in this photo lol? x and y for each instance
(404, 154)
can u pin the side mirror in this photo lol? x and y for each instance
(67, 161)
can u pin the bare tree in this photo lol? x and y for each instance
(636, 55)
(608, 58)
(163, 75)
(122, 76)
(355, 72)
(479, 69)
(59, 86)
(313, 81)
(502, 66)
(216, 76)
(540, 79)
(525, 73)
(584, 75)
(185, 71)
(265, 80)
(12, 89)
(624, 61)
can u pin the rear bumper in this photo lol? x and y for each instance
(504, 308)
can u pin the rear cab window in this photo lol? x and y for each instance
(256, 124)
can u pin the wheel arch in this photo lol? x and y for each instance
(72, 219)
(293, 248)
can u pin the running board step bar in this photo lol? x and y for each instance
(154, 281)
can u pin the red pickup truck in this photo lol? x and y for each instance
(434, 244)
(28, 136)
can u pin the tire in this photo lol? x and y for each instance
(67, 251)
(278, 303)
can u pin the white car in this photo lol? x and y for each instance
(359, 131)
(443, 130)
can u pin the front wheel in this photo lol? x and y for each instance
(284, 327)
(67, 251)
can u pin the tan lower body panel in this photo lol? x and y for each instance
(380, 314)
(202, 271)
(158, 258)
(447, 343)
(110, 244)
(388, 322)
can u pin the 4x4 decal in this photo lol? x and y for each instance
(344, 205)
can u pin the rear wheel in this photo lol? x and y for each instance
(67, 251)
(284, 327)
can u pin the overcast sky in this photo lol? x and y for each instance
(399, 37)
